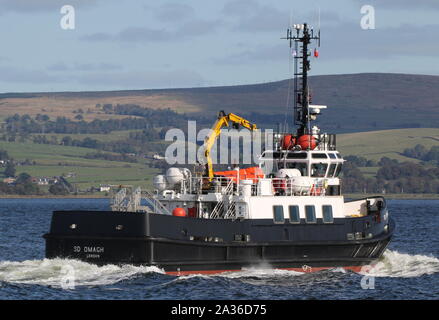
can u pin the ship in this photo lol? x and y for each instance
(288, 212)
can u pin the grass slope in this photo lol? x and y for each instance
(374, 145)
(53, 160)
(367, 101)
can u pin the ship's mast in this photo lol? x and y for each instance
(301, 35)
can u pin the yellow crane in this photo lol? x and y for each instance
(222, 121)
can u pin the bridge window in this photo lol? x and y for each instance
(278, 214)
(332, 155)
(310, 214)
(273, 155)
(337, 172)
(327, 214)
(294, 214)
(293, 155)
(318, 169)
(331, 170)
(319, 156)
(301, 166)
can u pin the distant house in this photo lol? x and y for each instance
(70, 175)
(41, 181)
(104, 188)
(45, 181)
(9, 180)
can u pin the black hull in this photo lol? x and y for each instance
(185, 257)
(141, 246)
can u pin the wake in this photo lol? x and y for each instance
(61, 272)
(58, 272)
(402, 265)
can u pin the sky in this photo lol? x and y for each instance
(133, 44)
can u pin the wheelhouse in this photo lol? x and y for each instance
(314, 164)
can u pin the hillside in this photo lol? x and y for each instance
(357, 102)
(56, 160)
(374, 145)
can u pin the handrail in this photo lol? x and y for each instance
(156, 204)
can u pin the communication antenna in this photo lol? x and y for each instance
(301, 36)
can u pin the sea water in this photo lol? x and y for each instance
(409, 268)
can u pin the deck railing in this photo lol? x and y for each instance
(278, 186)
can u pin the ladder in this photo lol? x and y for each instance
(225, 194)
(158, 207)
(231, 212)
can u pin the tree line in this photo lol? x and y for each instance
(392, 177)
(422, 153)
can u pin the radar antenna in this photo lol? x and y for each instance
(300, 37)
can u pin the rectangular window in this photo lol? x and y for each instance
(318, 169)
(293, 155)
(278, 214)
(302, 167)
(294, 214)
(327, 214)
(331, 170)
(337, 172)
(310, 214)
(319, 156)
(271, 155)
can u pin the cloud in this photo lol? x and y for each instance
(240, 8)
(173, 12)
(95, 78)
(102, 66)
(19, 75)
(348, 41)
(136, 34)
(198, 27)
(263, 53)
(32, 6)
(251, 16)
(189, 29)
(401, 4)
(60, 66)
(143, 79)
(131, 34)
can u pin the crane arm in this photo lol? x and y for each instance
(222, 121)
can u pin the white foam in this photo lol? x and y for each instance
(395, 264)
(55, 272)
(260, 271)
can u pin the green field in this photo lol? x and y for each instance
(56, 160)
(114, 136)
(374, 145)
(53, 160)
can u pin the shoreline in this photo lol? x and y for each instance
(81, 196)
(408, 196)
(395, 196)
